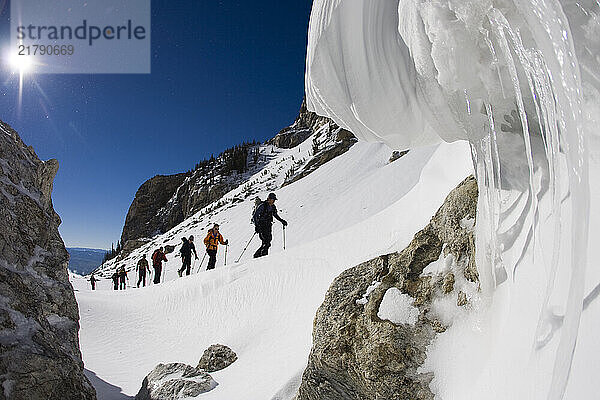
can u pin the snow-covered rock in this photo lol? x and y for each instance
(370, 341)
(175, 381)
(39, 318)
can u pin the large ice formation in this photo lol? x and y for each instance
(504, 75)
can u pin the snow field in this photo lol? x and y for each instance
(264, 308)
(351, 209)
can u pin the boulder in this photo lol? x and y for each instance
(175, 381)
(217, 357)
(39, 317)
(371, 333)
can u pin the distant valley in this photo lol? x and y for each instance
(83, 261)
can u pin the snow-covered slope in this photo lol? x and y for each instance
(351, 209)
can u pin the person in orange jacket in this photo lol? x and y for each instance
(211, 241)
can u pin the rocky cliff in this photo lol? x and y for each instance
(371, 332)
(305, 125)
(39, 318)
(143, 219)
(163, 202)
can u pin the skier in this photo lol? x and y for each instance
(142, 267)
(122, 278)
(93, 281)
(211, 241)
(115, 279)
(186, 255)
(263, 221)
(157, 258)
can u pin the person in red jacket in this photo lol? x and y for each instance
(211, 241)
(157, 258)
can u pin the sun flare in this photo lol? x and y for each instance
(20, 63)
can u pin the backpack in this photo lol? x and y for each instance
(155, 256)
(257, 202)
(186, 250)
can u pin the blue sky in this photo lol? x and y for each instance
(222, 72)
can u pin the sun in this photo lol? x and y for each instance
(21, 66)
(20, 63)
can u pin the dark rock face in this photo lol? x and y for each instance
(175, 381)
(39, 318)
(143, 219)
(217, 357)
(305, 125)
(165, 201)
(358, 352)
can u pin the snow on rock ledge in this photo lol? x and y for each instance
(358, 355)
(39, 318)
(397, 308)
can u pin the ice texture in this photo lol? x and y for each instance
(504, 76)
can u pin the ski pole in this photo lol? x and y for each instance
(243, 251)
(226, 246)
(284, 237)
(200, 266)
